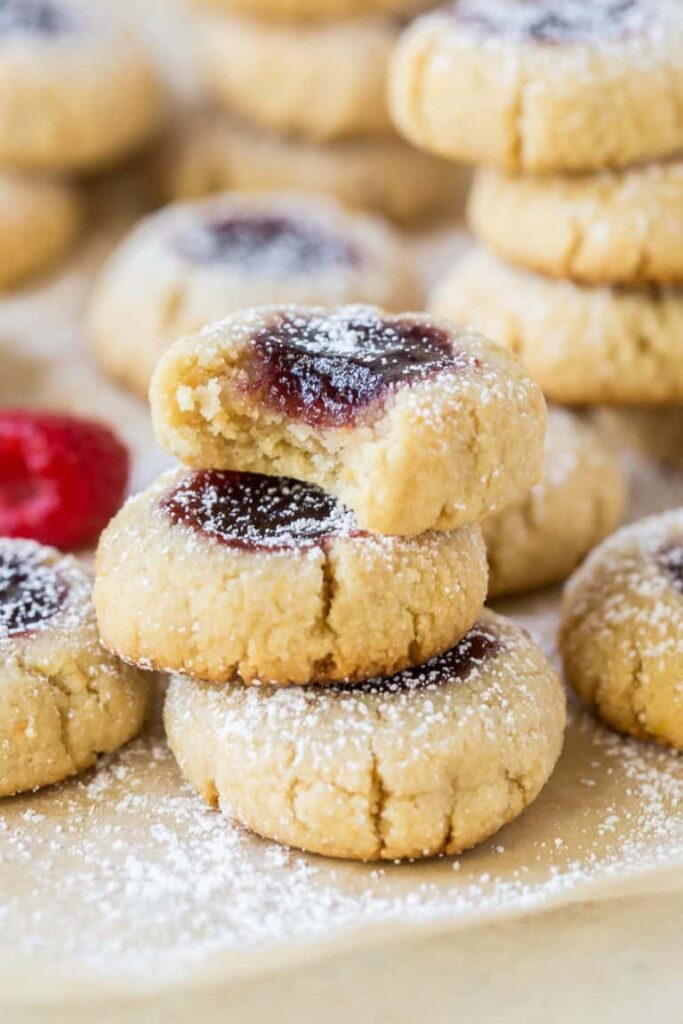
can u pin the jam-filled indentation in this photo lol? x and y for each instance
(31, 592)
(264, 243)
(554, 22)
(471, 653)
(40, 17)
(255, 512)
(670, 559)
(326, 371)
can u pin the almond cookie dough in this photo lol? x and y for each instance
(410, 423)
(610, 228)
(39, 220)
(584, 346)
(215, 154)
(63, 699)
(75, 94)
(431, 761)
(622, 630)
(580, 500)
(320, 80)
(211, 573)
(655, 433)
(302, 10)
(202, 260)
(545, 85)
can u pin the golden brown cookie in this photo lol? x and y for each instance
(193, 263)
(542, 86)
(63, 699)
(584, 346)
(303, 10)
(580, 499)
(410, 423)
(655, 433)
(212, 573)
(433, 760)
(622, 630)
(39, 220)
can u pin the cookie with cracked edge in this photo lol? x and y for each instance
(431, 761)
(410, 422)
(583, 345)
(543, 85)
(64, 700)
(214, 573)
(201, 260)
(621, 635)
(580, 499)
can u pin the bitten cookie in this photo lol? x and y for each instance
(622, 629)
(431, 761)
(548, 85)
(610, 228)
(320, 80)
(584, 346)
(63, 699)
(302, 10)
(191, 264)
(409, 422)
(212, 573)
(655, 433)
(39, 220)
(580, 500)
(214, 154)
(75, 94)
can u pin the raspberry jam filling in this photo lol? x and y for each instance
(670, 559)
(31, 593)
(264, 243)
(42, 17)
(257, 513)
(476, 648)
(553, 22)
(325, 371)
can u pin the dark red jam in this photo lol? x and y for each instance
(42, 17)
(477, 647)
(671, 561)
(325, 371)
(31, 593)
(553, 22)
(256, 513)
(264, 244)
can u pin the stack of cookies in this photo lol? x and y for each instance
(301, 90)
(321, 540)
(75, 97)
(574, 108)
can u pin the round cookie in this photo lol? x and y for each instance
(75, 94)
(622, 629)
(303, 10)
(655, 433)
(200, 261)
(411, 424)
(584, 346)
(580, 500)
(63, 699)
(39, 220)
(212, 574)
(215, 154)
(431, 761)
(610, 228)
(542, 86)
(321, 80)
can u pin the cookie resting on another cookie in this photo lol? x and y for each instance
(409, 422)
(543, 85)
(212, 573)
(63, 699)
(430, 761)
(621, 636)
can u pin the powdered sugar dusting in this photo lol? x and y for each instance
(31, 589)
(564, 22)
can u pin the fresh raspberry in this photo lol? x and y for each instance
(61, 478)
